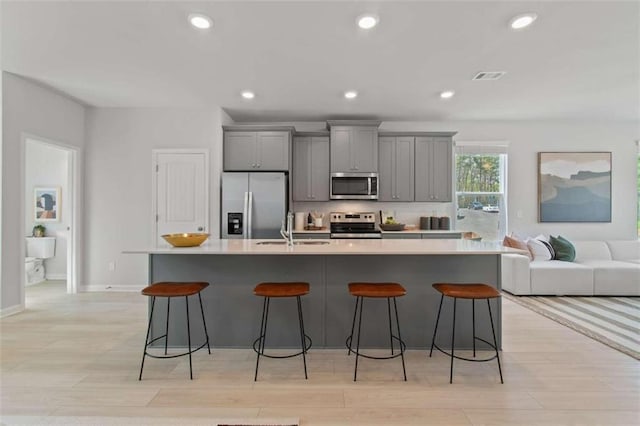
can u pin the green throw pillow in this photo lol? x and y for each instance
(564, 249)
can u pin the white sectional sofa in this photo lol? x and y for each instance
(601, 268)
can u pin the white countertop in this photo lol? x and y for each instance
(338, 247)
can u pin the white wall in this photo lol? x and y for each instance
(118, 184)
(48, 166)
(526, 139)
(28, 109)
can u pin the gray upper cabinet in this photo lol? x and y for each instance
(354, 146)
(433, 168)
(396, 168)
(311, 168)
(262, 150)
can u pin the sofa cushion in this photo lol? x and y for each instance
(518, 244)
(561, 278)
(539, 249)
(614, 278)
(628, 251)
(565, 251)
(591, 250)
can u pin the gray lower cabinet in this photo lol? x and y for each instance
(311, 236)
(442, 236)
(256, 150)
(433, 168)
(396, 168)
(400, 236)
(354, 149)
(311, 168)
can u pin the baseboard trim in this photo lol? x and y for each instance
(11, 310)
(103, 288)
(56, 276)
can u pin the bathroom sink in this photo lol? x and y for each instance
(281, 243)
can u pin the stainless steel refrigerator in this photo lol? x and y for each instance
(253, 204)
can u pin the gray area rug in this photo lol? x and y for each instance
(614, 321)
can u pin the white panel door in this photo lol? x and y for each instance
(182, 198)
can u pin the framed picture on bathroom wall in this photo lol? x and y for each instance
(574, 186)
(46, 204)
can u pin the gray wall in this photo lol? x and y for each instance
(526, 139)
(31, 109)
(118, 184)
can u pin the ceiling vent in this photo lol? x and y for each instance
(489, 75)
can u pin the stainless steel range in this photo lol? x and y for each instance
(354, 225)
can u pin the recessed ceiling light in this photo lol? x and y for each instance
(200, 21)
(447, 94)
(351, 94)
(367, 21)
(248, 94)
(522, 21)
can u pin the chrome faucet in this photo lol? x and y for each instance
(288, 233)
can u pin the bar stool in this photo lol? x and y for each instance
(281, 289)
(376, 290)
(169, 290)
(473, 292)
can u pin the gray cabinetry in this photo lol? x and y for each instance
(354, 146)
(396, 168)
(310, 168)
(433, 168)
(255, 150)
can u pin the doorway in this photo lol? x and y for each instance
(50, 202)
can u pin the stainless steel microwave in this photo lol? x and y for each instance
(354, 186)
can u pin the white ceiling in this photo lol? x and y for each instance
(580, 60)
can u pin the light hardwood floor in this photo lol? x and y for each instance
(77, 356)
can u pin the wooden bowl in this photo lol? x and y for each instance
(186, 240)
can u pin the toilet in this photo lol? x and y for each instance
(38, 249)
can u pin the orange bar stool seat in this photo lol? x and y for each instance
(281, 289)
(170, 290)
(473, 292)
(367, 290)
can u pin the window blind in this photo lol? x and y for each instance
(481, 147)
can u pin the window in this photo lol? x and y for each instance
(481, 189)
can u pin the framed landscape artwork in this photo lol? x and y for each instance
(46, 204)
(574, 186)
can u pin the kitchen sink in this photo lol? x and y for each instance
(282, 243)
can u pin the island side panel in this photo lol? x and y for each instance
(418, 309)
(232, 311)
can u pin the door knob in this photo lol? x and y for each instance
(200, 228)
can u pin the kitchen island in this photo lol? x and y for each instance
(234, 267)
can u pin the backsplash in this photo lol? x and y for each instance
(407, 213)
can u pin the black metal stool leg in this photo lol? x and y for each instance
(390, 331)
(302, 338)
(186, 301)
(355, 371)
(204, 322)
(453, 339)
(146, 340)
(435, 329)
(166, 337)
(473, 324)
(353, 326)
(495, 342)
(260, 336)
(395, 307)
